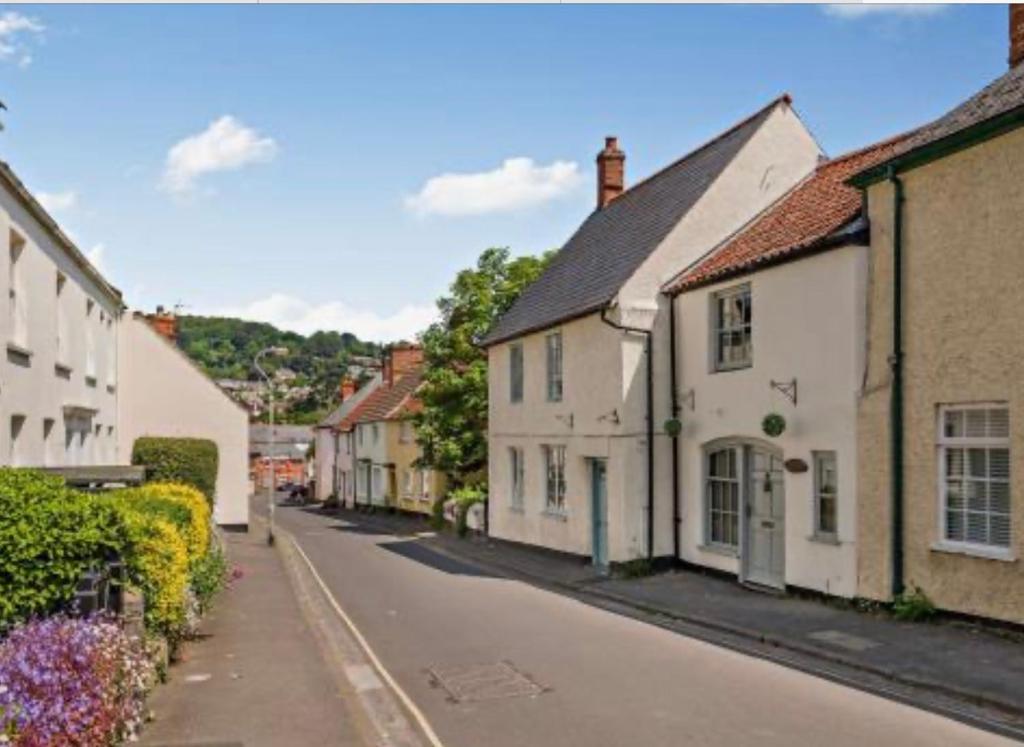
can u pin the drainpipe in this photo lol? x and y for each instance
(896, 368)
(674, 395)
(648, 355)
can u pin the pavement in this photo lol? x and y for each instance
(488, 655)
(257, 675)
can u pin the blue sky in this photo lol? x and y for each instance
(288, 163)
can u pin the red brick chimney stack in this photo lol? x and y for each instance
(164, 323)
(400, 359)
(1016, 34)
(347, 388)
(611, 172)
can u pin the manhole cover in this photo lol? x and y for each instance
(484, 682)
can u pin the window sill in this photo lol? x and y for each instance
(729, 552)
(976, 551)
(19, 350)
(825, 539)
(554, 513)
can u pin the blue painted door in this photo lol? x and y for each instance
(599, 512)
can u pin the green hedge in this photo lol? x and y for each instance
(192, 461)
(49, 536)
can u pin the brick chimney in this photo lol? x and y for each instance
(401, 358)
(347, 388)
(611, 172)
(164, 323)
(1016, 34)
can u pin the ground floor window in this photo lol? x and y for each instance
(723, 497)
(974, 487)
(554, 467)
(515, 465)
(825, 494)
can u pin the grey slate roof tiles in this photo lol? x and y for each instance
(612, 243)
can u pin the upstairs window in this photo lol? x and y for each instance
(63, 355)
(732, 329)
(515, 372)
(90, 340)
(553, 344)
(17, 297)
(974, 458)
(406, 433)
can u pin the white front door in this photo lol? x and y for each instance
(764, 556)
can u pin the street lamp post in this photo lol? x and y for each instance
(271, 488)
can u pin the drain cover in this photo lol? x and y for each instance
(484, 682)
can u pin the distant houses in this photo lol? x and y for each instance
(81, 377)
(798, 371)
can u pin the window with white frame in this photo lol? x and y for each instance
(359, 430)
(515, 466)
(425, 483)
(515, 372)
(63, 355)
(375, 431)
(406, 433)
(553, 343)
(723, 497)
(732, 316)
(974, 487)
(826, 486)
(17, 296)
(90, 340)
(378, 483)
(554, 471)
(408, 482)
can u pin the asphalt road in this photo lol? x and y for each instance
(604, 679)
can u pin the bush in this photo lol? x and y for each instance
(192, 461)
(71, 682)
(49, 536)
(437, 514)
(182, 505)
(209, 575)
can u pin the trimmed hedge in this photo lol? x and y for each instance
(192, 461)
(49, 536)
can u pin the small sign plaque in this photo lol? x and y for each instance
(795, 465)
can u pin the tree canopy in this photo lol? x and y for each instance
(452, 427)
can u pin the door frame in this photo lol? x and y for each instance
(746, 536)
(598, 528)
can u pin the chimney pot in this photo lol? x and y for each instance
(1016, 34)
(611, 172)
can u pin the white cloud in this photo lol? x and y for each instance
(226, 145)
(95, 257)
(855, 11)
(517, 183)
(57, 201)
(15, 29)
(288, 312)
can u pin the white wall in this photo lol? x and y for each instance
(808, 323)
(325, 461)
(80, 396)
(163, 394)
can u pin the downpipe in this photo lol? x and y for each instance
(896, 402)
(674, 399)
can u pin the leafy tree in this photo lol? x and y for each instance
(452, 427)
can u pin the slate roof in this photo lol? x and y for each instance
(1001, 96)
(386, 403)
(613, 242)
(821, 211)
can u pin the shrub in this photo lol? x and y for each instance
(182, 505)
(157, 561)
(49, 536)
(209, 575)
(71, 682)
(192, 461)
(913, 605)
(437, 513)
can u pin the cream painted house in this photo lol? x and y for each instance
(163, 393)
(59, 377)
(941, 427)
(333, 448)
(578, 457)
(773, 322)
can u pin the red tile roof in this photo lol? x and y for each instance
(387, 402)
(799, 222)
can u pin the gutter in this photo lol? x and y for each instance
(896, 368)
(648, 354)
(674, 397)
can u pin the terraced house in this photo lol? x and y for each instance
(940, 436)
(381, 441)
(578, 368)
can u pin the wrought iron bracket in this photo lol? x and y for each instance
(787, 388)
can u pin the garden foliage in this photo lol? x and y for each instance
(192, 461)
